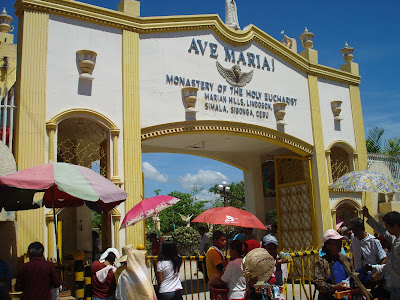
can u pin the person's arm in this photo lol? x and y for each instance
(376, 226)
(227, 275)
(159, 274)
(55, 278)
(159, 278)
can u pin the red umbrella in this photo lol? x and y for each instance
(230, 216)
(147, 208)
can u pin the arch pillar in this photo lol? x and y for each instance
(115, 136)
(254, 194)
(116, 218)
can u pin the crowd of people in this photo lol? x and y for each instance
(372, 272)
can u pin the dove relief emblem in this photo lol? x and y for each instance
(235, 76)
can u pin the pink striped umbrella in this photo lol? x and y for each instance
(64, 185)
(147, 208)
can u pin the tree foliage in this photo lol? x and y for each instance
(392, 147)
(376, 144)
(189, 205)
(235, 198)
(374, 140)
(271, 217)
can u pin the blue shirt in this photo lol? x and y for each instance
(339, 272)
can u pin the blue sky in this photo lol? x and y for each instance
(371, 27)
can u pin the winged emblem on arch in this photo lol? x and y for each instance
(234, 75)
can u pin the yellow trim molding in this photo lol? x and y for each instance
(76, 112)
(340, 202)
(345, 200)
(353, 156)
(320, 180)
(147, 25)
(223, 127)
(52, 124)
(30, 135)
(135, 235)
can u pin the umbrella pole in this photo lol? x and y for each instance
(56, 231)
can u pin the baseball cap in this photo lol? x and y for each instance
(269, 239)
(332, 235)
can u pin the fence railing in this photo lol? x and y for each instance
(392, 162)
(299, 284)
(7, 112)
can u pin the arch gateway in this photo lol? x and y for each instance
(119, 85)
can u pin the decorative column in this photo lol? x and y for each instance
(132, 142)
(318, 161)
(51, 248)
(116, 217)
(333, 215)
(115, 178)
(30, 135)
(329, 166)
(51, 132)
(355, 158)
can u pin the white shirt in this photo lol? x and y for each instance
(366, 251)
(233, 276)
(171, 281)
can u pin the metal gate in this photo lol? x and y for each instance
(295, 203)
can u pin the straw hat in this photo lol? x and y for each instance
(258, 263)
(125, 250)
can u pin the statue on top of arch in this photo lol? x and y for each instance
(231, 17)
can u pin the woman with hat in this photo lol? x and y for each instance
(134, 282)
(257, 265)
(333, 269)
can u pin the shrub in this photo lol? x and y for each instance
(187, 239)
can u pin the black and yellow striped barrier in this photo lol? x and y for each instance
(88, 283)
(79, 280)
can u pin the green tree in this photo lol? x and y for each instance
(271, 217)
(392, 147)
(189, 205)
(96, 220)
(235, 198)
(374, 140)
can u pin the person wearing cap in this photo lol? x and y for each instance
(270, 243)
(333, 268)
(122, 261)
(346, 232)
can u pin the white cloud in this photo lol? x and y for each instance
(152, 173)
(207, 196)
(201, 179)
